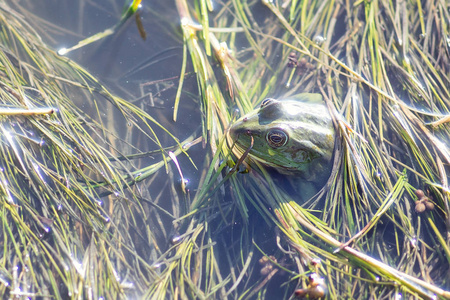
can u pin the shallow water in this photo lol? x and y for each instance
(146, 72)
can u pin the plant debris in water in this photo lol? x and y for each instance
(65, 174)
(378, 229)
(381, 68)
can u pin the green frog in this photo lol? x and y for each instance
(294, 136)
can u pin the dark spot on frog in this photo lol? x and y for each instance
(270, 112)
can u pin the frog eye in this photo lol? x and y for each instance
(276, 138)
(266, 102)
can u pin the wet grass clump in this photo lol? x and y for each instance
(74, 222)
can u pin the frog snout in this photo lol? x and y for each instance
(236, 132)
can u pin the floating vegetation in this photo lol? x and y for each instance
(127, 13)
(381, 68)
(75, 223)
(65, 173)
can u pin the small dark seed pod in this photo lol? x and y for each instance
(419, 193)
(315, 262)
(316, 292)
(292, 60)
(429, 205)
(301, 293)
(263, 260)
(266, 270)
(315, 280)
(420, 207)
(313, 277)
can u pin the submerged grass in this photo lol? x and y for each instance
(67, 177)
(383, 77)
(75, 223)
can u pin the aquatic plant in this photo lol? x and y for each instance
(377, 230)
(66, 173)
(381, 68)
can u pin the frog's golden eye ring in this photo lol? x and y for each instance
(276, 138)
(266, 102)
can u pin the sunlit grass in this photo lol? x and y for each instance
(383, 77)
(67, 176)
(75, 223)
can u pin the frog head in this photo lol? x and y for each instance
(291, 135)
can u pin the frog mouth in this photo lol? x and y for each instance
(232, 140)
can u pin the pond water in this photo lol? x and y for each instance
(146, 73)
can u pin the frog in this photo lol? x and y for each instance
(294, 135)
